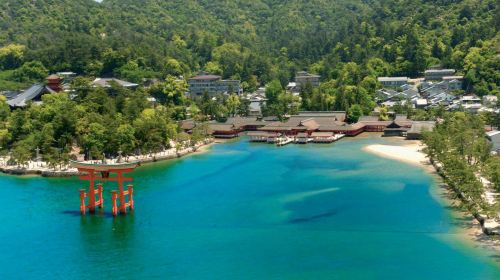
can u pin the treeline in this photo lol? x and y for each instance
(255, 41)
(458, 143)
(99, 123)
(349, 43)
(352, 91)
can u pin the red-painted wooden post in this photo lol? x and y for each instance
(100, 189)
(91, 205)
(123, 206)
(94, 196)
(131, 196)
(82, 202)
(114, 208)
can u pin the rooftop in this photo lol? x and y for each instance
(447, 78)
(106, 82)
(494, 137)
(205, 78)
(440, 71)
(338, 115)
(53, 77)
(305, 74)
(221, 127)
(32, 93)
(392, 79)
(493, 133)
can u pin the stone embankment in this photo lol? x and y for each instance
(42, 169)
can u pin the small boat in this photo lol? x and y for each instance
(284, 140)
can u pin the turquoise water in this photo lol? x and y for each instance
(244, 211)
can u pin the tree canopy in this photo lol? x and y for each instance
(253, 40)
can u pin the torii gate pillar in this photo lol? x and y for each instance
(91, 172)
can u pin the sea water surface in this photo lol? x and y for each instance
(244, 211)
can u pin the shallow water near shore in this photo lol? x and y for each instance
(244, 211)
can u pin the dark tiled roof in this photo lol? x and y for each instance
(339, 115)
(10, 94)
(214, 127)
(28, 95)
(341, 127)
(310, 124)
(244, 121)
(270, 119)
(205, 77)
(402, 120)
(187, 124)
(396, 129)
(368, 119)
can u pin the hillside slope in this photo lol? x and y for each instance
(245, 39)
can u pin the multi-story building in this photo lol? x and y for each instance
(393, 81)
(302, 78)
(212, 85)
(438, 74)
(454, 82)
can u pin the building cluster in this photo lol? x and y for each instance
(258, 98)
(438, 87)
(54, 83)
(302, 80)
(311, 127)
(59, 82)
(212, 85)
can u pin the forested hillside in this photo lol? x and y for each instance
(253, 40)
(348, 42)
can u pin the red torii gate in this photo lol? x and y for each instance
(101, 172)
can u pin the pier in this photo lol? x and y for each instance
(284, 140)
(301, 138)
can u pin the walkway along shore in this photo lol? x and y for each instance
(488, 226)
(41, 168)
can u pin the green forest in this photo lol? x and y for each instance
(348, 42)
(255, 41)
(458, 144)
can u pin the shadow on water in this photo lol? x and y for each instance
(98, 213)
(225, 168)
(313, 218)
(73, 213)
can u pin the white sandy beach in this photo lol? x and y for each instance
(410, 153)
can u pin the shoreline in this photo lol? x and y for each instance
(410, 153)
(469, 229)
(39, 169)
